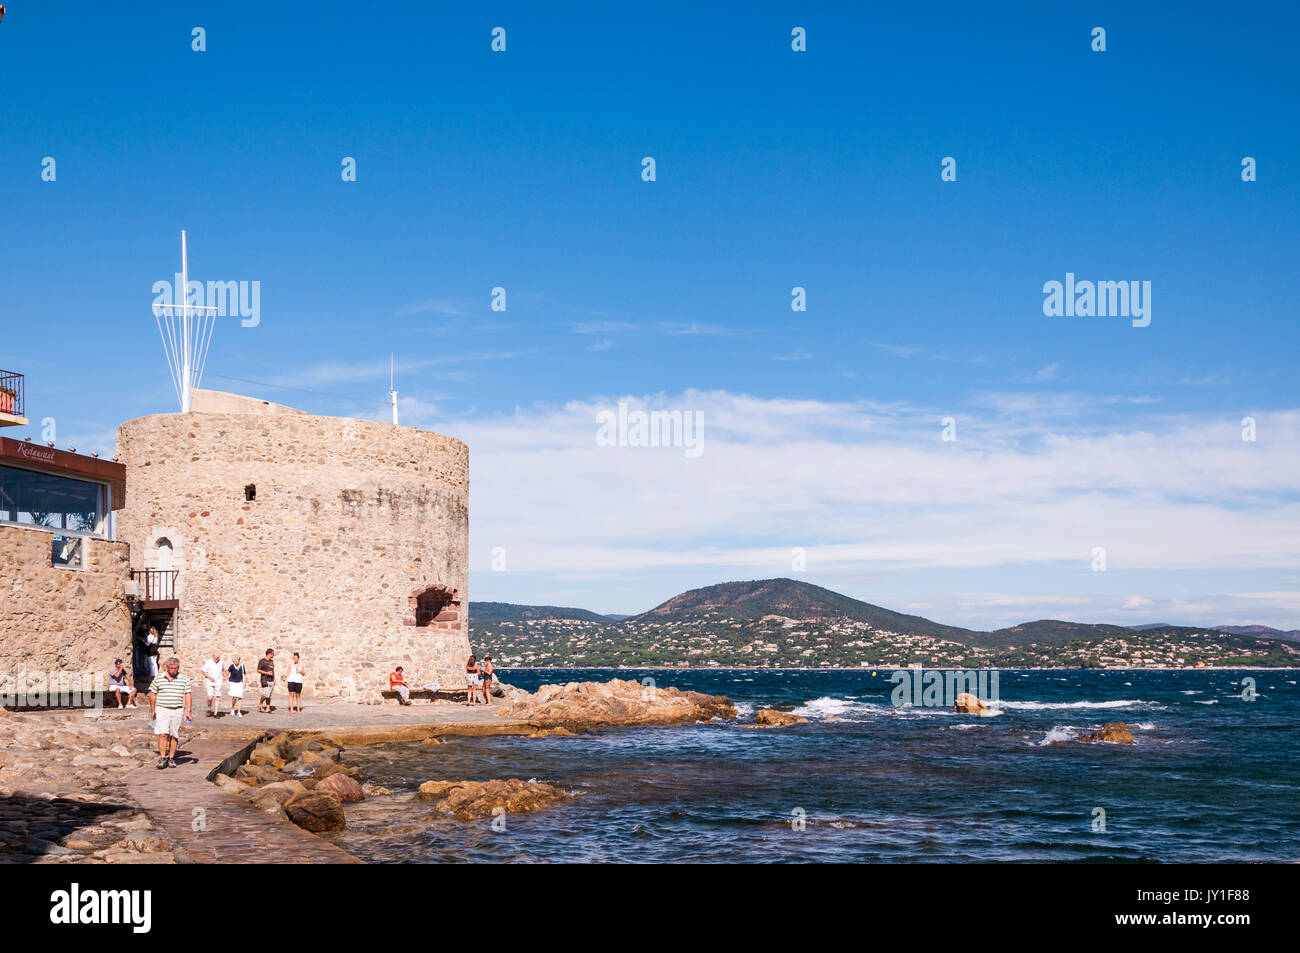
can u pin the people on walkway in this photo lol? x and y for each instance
(471, 681)
(119, 681)
(212, 682)
(294, 681)
(235, 686)
(170, 703)
(485, 671)
(266, 669)
(397, 682)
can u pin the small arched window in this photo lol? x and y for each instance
(250, 492)
(165, 553)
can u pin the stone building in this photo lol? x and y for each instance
(344, 540)
(62, 574)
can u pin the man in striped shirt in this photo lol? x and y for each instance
(170, 702)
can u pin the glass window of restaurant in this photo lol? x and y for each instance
(33, 498)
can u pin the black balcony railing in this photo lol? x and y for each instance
(11, 394)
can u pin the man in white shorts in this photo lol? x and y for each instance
(170, 701)
(212, 681)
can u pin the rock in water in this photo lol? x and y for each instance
(315, 811)
(345, 787)
(771, 718)
(968, 704)
(467, 800)
(579, 705)
(1116, 732)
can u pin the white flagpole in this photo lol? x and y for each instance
(185, 321)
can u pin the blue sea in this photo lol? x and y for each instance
(1212, 778)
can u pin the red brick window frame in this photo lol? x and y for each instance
(435, 607)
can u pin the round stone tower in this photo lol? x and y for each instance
(343, 540)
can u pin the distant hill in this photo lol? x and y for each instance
(492, 613)
(1263, 631)
(791, 599)
(776, 623)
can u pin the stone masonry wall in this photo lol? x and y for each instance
(352, 520)
(70, 620)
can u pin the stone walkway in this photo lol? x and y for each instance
(328, 714)
(210, 826)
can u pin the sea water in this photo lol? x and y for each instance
(865, 781)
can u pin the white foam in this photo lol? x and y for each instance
(1059, 734)
(1052, 706)
(831, 707)
(1210, 701)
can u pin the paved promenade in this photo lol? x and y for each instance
(211, 826)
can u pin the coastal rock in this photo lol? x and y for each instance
(579, 705)
(968, 704)
(280, 791)
(266, 753)
(272, 806)
(1114, 732)
(468, 800)
(771, 718)
(345, 787)
(260, 773)
(227, 783)
(329, 769)
(315, 811)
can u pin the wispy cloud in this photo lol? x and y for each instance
(873, 487)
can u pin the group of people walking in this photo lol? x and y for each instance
(235, 675)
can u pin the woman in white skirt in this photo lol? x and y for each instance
(471, 681)
(235, 683)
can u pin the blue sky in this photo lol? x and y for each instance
(775, 169)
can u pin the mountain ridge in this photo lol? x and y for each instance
(755, 599)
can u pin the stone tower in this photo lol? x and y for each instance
(344, 540)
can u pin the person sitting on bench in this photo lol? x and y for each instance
(119, 681)
(397, 682)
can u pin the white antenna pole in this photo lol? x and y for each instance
(186, 332)
(185, 325)
(392, 394)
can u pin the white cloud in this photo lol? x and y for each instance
(871, 486)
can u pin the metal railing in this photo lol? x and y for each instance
(11, 393)
(156, 585)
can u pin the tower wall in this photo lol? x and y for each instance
(349, 522)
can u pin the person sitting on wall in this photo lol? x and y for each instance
(119, 681)
(397, 682)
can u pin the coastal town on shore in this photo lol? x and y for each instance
(774, 642)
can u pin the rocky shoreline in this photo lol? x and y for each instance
(65, 795)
